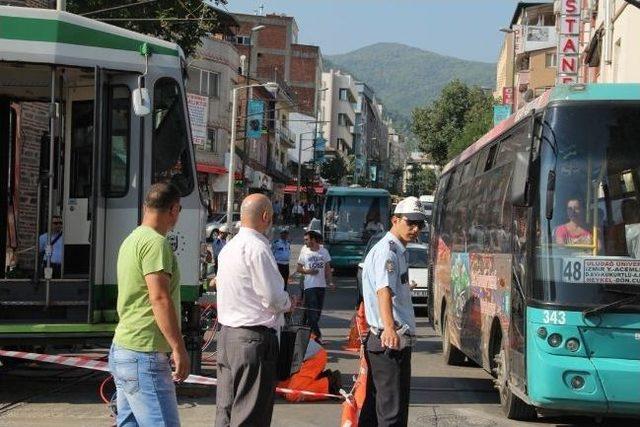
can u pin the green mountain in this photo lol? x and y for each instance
(405, 77)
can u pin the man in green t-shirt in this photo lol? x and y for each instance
(149, 312)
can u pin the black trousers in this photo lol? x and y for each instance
(284, 272)
(388, 385)
(246, 368)
(313, 301)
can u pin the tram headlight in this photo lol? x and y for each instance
(555, 340)
(572, 344)
(577, 382)
(542, 332)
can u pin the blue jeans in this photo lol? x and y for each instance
(146, 394)
(314, 301)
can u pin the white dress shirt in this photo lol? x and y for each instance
(250, 287)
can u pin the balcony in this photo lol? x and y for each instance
(279, 172)
(274, 74)
(286, 136)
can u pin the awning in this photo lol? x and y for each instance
(216, 170)
(594, 50)
(292, 189)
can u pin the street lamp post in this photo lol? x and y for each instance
(300, 162)
(271, 87)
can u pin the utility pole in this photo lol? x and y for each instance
(61, 5)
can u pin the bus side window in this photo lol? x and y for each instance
(171, 155)
(491, 157)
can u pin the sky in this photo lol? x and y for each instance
(467, 29)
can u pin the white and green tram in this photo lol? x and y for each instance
(90, 116)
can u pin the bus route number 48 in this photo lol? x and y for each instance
(572, 270)
(554, 317)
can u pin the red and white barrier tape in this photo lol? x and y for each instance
(98, 365)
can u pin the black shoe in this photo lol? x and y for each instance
(335, 382)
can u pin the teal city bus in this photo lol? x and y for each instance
(536, 254)
(351, 215)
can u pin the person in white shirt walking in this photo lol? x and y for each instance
(314, 263)
(297, 212)
(251, 301)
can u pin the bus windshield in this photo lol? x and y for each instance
(354, 218)
(593, 236)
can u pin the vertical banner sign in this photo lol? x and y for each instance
(568, 42)
(319, 149)
(518, 39)
(255, 118)
(198, 115)
(507, 95)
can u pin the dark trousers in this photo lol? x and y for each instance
(246, 367)
(284, 272)
(298, 219)
(388, 386)
(313, 301)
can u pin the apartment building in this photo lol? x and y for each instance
(337, 112)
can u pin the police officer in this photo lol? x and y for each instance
(281, 249)
(389, 312)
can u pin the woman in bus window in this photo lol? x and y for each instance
(574, 231)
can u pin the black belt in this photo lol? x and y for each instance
(257, 328)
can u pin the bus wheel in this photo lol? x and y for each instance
(512, 406)
(451, 354)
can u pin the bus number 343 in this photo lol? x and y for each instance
(554, 317)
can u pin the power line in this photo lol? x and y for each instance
(124, 6)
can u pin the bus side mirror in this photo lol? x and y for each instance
(141, 102)
(520, 180)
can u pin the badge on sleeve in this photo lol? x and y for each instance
(390, 266)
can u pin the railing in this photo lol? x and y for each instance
(286, 135)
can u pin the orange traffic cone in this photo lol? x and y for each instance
(358, 331)
(352, 406)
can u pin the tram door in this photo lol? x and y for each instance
(78, 158)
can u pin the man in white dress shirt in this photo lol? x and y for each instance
(251, 302)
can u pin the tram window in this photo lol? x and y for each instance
(81, 149)
(118, 139)
(171, 155)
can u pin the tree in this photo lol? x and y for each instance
(454, 121)
(334, 170)
(184, 22)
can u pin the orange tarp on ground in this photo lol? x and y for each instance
(307, 379)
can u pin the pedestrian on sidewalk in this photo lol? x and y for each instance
(149, 311)
(297, 212)
(389, 312)
(251, 301)
(315, 264)
(281, 249)
(219, 242)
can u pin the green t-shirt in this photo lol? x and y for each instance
(143, 252)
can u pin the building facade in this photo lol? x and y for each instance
(337, 112)
(527, 64)
(610, 50)
(271, 46)
(212, 73)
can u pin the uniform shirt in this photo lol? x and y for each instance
(250, 287)
(281, 251)
(386, 265)
(143, 252)
(217, 246)
(57, 248)
(314, 260)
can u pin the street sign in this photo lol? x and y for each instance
(500, 113)
(319, 146)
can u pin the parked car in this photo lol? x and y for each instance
(418, 271)
(218, 220)
(419, 275)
